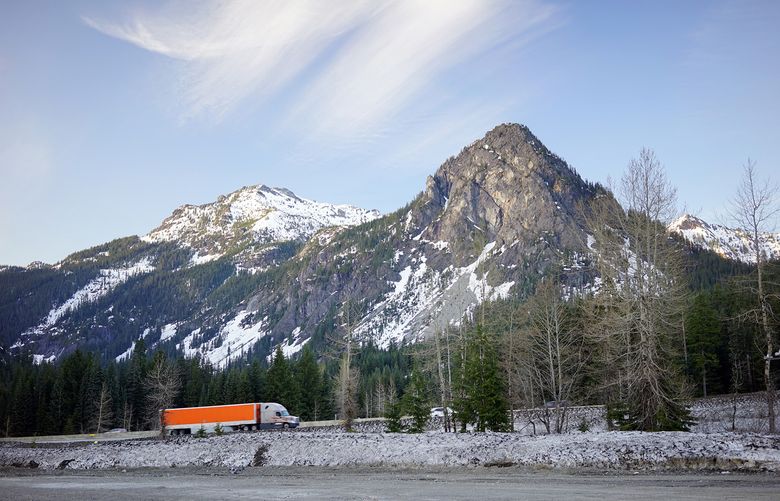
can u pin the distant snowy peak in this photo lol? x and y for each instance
(257, 214)
(727, 242)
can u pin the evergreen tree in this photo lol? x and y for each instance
(393, 417)
(136, 393)
(257, 381)
(482, 393)
(416, 403)
(309, 381)
(282, 387)
(703, 340)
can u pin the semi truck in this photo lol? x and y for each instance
(234, 417)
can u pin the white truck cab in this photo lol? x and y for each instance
(273, 415)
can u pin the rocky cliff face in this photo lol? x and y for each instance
(262, 267)
(489, 223)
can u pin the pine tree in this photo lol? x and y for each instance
(282, 386)
(393, 417)
(481, 388)
(309, 381)
(703, 340)
(416, 403)
(136, 393)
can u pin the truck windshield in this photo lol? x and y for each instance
(285, 413)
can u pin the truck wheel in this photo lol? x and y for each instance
(286, 426)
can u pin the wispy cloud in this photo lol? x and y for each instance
(351, 65)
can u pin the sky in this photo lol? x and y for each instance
(114, 113)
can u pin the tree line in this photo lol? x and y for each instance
(79, 395)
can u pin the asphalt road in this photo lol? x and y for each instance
(377, 483)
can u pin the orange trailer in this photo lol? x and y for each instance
(250, 416)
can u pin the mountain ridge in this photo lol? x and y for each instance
(729, 243)
(216, 281)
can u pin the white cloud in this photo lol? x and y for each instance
(353, 64)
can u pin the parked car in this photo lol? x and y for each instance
(439, 412)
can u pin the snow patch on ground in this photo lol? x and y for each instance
(197, 259)
(168, 331)
(609, 450)
(126, 354)
(292, 349)
(39, 359)
(233, 341)
(420, 292)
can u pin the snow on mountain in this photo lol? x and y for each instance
(423, 297)
(729, 243)
(257, 214)
(94, 290)
(235, 338)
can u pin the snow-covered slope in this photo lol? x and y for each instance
(726, 242)
(426, 298)
(256, 214)
(101, 285)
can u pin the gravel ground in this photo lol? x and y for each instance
(454, 483)
(606, 450)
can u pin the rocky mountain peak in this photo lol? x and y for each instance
(507, 186)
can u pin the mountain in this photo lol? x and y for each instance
(249, 218)
(262, 267)
(728, 243)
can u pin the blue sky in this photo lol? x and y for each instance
(112, 114)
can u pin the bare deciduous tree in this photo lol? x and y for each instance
(637, 313)
(555, 354)
(162, 385)
(348, 377)
(103, 412)
(753, 209)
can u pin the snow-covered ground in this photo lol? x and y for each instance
(232, 342)
(745, 413)
(607, 450)
(710, 446)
